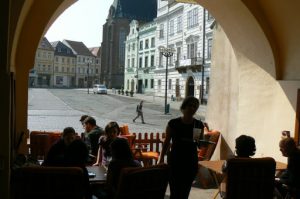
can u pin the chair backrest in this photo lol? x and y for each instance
(48, 182)
(143, 182)
(250, 178)
(40, 144)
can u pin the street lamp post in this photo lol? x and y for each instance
(88, 76)
(167, 52)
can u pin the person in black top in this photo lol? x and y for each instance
(112, 130)
(92, 135)
(183, 158)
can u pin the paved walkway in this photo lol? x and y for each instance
(161, 101)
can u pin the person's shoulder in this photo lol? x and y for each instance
(174, 121)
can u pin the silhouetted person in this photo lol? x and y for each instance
(56, 154)
(291, 176)
(183, 158)
(139, 111)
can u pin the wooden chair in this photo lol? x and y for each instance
(48, 183)
(205, 152)
(148, 147)
(143, 182)
(250, 178)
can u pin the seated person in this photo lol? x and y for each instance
(56, 154)
(92, 135)
(112, 130)
(121, 158)
(244, 148)
(291, 176)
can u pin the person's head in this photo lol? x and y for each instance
(120, 149)
(82, 118)
(189, 105)
(112, 130)
(89, 123)
(245, 146)
(142, 102)
(287, 146)
(68, 135)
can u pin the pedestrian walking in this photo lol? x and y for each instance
(139, 111)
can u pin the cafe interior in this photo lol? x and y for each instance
(254, 85)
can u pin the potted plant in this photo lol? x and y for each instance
(131, 93)
(122, 91)
(126, 92)
(119, 92)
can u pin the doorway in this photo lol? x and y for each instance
(190, 87)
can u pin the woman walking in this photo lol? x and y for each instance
(184, 132)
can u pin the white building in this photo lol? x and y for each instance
(180, 26)
(140, 57)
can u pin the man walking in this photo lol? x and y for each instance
(139, 111)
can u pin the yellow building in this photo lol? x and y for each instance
(259, 44)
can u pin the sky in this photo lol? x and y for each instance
(81, 22)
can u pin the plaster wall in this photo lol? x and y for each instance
(245, 99)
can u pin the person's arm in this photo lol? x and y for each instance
(165, 146)
(99, 157)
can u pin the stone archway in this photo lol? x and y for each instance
(190, 87)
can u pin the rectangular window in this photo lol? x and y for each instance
(140, 62)
(172, 27)
(159, 85)
(141, 45)
(59, 80)
(152, 83)
(146, 83)
(146, 62)
(179, 24)
(192, 18)
(152, 42)
(170, 84)
(161, 31)
(192, 49)
(160, 60)
(133, 46)
(128, 63)
(209, 47)
(63, 60)
(49, 68)
(56, 59)
(152, 61)
(56, 68)
(132, 62)
(62, 69)
(128, 48)
(147, 44)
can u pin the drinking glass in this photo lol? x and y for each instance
(40, 159)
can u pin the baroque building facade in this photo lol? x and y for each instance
(186, 29)
(86, 72)
(64, 65)
(42, 73)
(140, 57)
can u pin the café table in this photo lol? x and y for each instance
(100, 174)
(215, 166)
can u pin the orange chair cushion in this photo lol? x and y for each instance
(150, 155)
